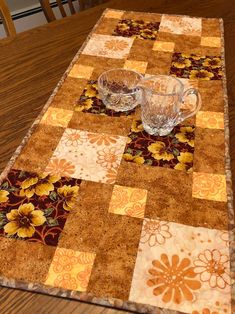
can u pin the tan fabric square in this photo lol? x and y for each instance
(106, 26)
(138, 66)
(70, 269)
(209, 151)
(211, 27)
(57, 117)
(101, 124)
(164, 46)
(128, 201)
(84, 228)
(212, 95)
(210, 51)
(114, 264)
(39, 149)
(69, 93)
(209, 186)
(211, 41)
(210, 120)
(113, 14)
(140, 50)
(159, 63)
(81, 71)
(25, 261)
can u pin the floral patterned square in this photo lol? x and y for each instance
(164, 46)
(114, 14)
(128, 201)
(210, 120)
(137, 29)
(89, 156)
(209, 186)
(181, 25)
(192, 276)
(108, 46)
(35, 207)
(81, 71)
(138, 66)
(172, 151)
(70, 269)
(211, 41)
(90, 102)
(196, 67)
(57, 117)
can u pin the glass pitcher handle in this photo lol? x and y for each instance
(195, 107)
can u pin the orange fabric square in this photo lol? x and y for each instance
(211, 41)
(139, 66)
(114, 14)
(164, 46)
(210, 120)
(81, 71)
(128, 201)
(57, 117)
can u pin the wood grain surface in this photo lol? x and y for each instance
(33, 62)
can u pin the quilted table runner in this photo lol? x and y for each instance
(93, 208)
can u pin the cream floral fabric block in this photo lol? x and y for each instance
(89, 156)
(164, 46)
(57, 117)
(108, 46)
(81, 71)
(114, 14)
(210, 120)
(209, 186)
(128, 201)
(138, 66)
(182, 268)
(70, 269)
(181, 25)
(211, 41)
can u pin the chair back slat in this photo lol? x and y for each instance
(71, 7)
(60, 5)
(48, 12)
(6, 19)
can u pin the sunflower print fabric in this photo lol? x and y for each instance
(171, 151)
(137, 29)
(196, 67)
(35, 207)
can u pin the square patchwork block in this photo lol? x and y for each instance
(70, 269)
(181, 25)
(196, 67)
(128, 201)
(89, 156)
(81, 71)
(171, 151)
(189, 276)
(90, 102)
(35, 207)
(108, 46)
(113, 14)
(138, 66)
(164, 46)
(210, 120)
(209, 186)
(137, 29)
(211, 41)
(57, 117)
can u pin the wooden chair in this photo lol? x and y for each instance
(49, 14)
(6, 19)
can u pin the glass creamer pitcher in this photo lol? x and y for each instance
(163, 103)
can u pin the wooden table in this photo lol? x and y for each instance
(32, 63)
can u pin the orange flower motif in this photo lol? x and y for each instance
(119, 197)
(205, 311)
(111, 175)
(64, 260)
(102, 139)
(72, 138)
(108, 157)
(116, 44)
(65, 281)
(225, 237)
(155, 232)
(84, 276)
(136, 210)
(60, 167)
(213, 268)
(174, 280)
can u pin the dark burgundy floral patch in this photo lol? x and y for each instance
(35, 207)
(196, 67)
(137, 29)
(172, 151)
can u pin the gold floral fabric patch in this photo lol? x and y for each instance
(90, 102)
(137, 29)
(81, 71)
(57, 117)
(34, 207)
(178, 274)
(128, 201)
(70, 269)
(210, 120)
(196, 67)
(172, 151)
